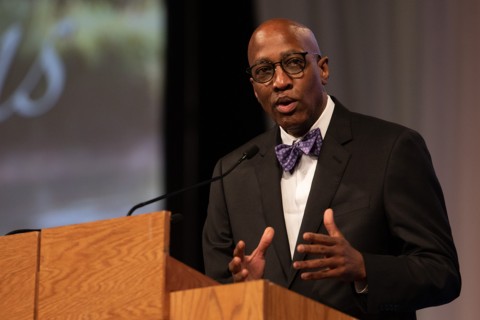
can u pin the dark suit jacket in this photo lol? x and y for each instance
(379, 179)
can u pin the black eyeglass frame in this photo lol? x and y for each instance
(284, 59)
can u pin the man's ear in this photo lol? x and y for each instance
(323, 64)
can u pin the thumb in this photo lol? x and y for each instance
(330, 225)
(265, 241)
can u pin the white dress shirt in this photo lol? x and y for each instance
(295, 186)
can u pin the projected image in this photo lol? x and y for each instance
(80, 109)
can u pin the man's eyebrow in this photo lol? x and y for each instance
(262, 60)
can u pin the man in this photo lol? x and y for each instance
(359, 225)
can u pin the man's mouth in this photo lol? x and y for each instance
(285, 105)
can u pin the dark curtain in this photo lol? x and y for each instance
(210, 108)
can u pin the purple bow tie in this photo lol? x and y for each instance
(288, 156)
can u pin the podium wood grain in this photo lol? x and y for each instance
(18, 266)
(181, 277)
(259, 300)
(110, 269)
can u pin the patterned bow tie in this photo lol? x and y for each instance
(289, 155)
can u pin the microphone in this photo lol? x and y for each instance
(248, 154)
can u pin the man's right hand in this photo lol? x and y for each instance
(251, 267)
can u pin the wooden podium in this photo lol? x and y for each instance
(121, 269)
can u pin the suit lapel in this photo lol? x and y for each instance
(269, 174)
(331, 164)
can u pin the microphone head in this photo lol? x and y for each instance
(252, 151)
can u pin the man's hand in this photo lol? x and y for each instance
(336, 257)
(250, 267)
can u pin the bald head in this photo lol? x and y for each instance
(281, 31)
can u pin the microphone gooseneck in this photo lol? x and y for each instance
(248, 154)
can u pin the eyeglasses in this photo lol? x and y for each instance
(291, 64)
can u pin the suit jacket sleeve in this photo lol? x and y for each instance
(423, 269)
(217, 238)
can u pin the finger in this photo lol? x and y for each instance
(235, 265)
(330, 225)
(239, 250)
(264, 242)
(240, 276)
(314, 249)
(321, 263)
(319, 238)
(321, 274)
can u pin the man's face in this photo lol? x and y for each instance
(293, 101)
